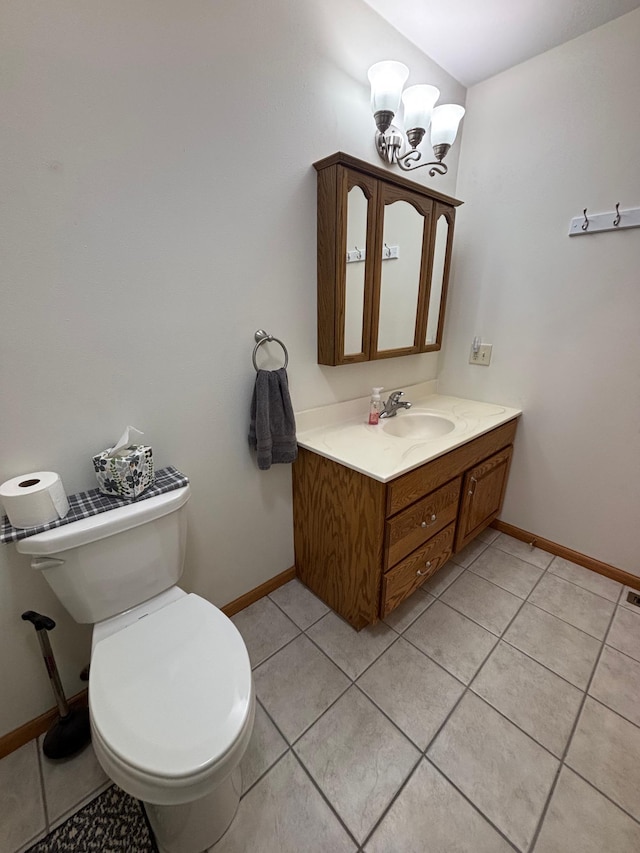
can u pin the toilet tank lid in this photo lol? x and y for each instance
(104, 524)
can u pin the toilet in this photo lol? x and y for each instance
(171, 695)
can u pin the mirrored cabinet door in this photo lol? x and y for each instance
(356, 298)
(442, 242)
(399, 286)
(346, 233)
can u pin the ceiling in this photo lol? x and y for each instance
(475, 39)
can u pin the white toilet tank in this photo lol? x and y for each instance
(103, 565)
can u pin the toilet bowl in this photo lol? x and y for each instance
(172, 704)
(171, 695)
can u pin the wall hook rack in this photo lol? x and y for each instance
(615, 220)
(389, 253)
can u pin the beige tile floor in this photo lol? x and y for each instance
(497, 709)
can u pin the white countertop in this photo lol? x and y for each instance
(341, 432)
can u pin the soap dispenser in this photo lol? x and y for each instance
(375, 405)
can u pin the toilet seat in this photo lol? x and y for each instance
(171, 701)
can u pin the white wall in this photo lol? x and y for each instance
(541, 142)
(158, 206)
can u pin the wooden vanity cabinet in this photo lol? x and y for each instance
(378, 305)
(364, 546)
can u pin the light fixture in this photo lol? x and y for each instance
(387, 79)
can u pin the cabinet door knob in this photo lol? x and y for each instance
(472, 486)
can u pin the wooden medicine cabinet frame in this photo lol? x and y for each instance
(337, 176)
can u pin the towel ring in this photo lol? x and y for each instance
(262, 337)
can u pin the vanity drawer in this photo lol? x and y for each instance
(412, 572)
(409, 529)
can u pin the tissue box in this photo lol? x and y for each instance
(125, 476)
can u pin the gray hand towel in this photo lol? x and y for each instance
(272, 431)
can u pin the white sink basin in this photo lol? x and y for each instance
(419, 425)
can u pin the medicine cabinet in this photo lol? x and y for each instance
(384, 252)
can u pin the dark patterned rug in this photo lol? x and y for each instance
(112, 823)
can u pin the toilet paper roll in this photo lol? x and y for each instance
(34, 499)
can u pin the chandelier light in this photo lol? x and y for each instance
(420, 113)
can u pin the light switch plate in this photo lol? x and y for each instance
(482, 356)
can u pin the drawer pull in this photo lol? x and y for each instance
(431, 520)
(427, 566)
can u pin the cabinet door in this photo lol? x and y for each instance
(400, 272)
(483, 491)
(432, 322)
(346, 229)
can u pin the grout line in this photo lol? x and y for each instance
(500, 586)
(544, 666)
(620, 652)
(593, 636)
(472, 804)
(287, 749)
(369, 665)
(586, 588)
(475, 622)
(613, 710)
(84, 801)
(391, 803)
(602, 794)
(291, 619)
(564, 621)
(463, 694)
(273, 654)
(522, 559)
(514, 724)
(554, 784)
(265, 773)
(326, 799)
(399, 631)
(299, 737)
(441, 665)
(387, 717)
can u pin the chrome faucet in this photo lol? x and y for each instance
(393, 404)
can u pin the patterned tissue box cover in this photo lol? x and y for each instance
(125, 476)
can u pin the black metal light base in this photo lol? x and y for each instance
(68, 735)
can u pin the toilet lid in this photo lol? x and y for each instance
(171, 693)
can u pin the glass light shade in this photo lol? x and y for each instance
(444, 123)
(387, 79)
(418, 105)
